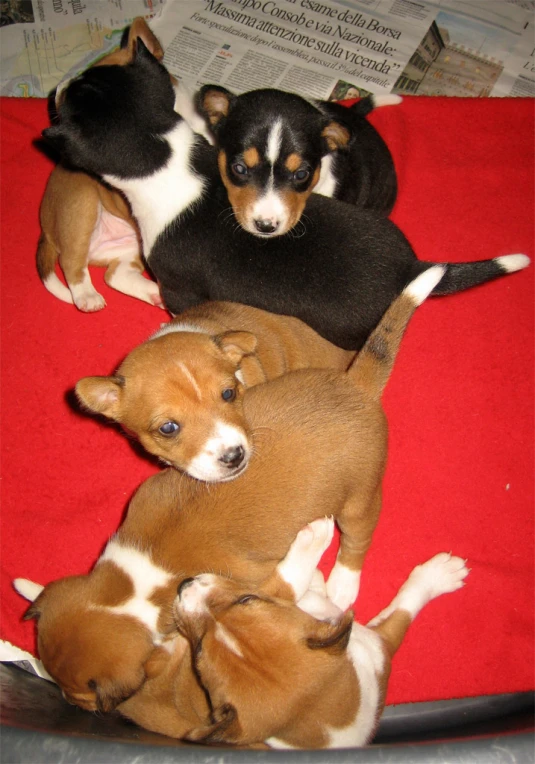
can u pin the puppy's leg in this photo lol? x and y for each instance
(357, 525)
(125, 273)
(441, 574)
(73, 259)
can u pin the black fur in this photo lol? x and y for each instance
(338, 270)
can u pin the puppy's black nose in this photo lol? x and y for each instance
(183, 585)
(265, 226)
(233, 457)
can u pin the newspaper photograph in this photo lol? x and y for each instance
(329, 49)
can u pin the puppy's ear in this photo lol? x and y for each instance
(336, 136)
(236, 345)
(140, 29)
(214, 103)
(55, 137)
(102, 395)
(332, 637)
(225, 728)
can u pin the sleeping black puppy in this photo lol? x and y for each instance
(338, 271)
(276, 148)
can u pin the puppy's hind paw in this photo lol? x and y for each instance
(442, 574)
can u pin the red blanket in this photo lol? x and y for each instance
(460, 402)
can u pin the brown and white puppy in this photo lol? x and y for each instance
(275, 675)
(180, 393)
(101, 636)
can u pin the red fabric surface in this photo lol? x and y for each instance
(460, 402)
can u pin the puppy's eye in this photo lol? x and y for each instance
(302, 174)
(92, 685)
(246, 598)
(169, 428)
(238, 168)
(229, 394)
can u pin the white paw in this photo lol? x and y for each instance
(89, 301)
(315, 538)
(441, 574)
(343, 586)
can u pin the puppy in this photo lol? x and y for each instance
(281, 677)
(98, 636)
(180, 393)
(338, 272)
(275, 148)
(84, 222)
(97, 633)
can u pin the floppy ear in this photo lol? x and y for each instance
(225, 728)
(55, 137)
(102, 395)
(336, 136)
(236, 345)
(214, 103)
(140, 29)
(332, 637)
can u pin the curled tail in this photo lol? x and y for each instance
(371, 102)
(373, 365)
(47, 258)
(459, 276)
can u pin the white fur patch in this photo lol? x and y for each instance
(85, 296)
(146, 577)
(366, 653)
(343, 585)
(158, 199)
(226, 638)
(326, 185)
(299, 565)
(274, 142)
(192, 597)
(184, 105)
(512, 263)
(422, 286)
(388, 99)
(191, 379)
(27, 589)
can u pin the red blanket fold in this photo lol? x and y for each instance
(460, 402)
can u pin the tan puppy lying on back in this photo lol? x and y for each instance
(180, 393)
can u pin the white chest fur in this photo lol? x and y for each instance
(158, 199)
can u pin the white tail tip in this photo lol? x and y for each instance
(27, 589)
(512, 263)
(422, 286)
(389, 99)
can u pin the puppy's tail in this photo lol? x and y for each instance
(47, 258)
(371, 102)
(459, 276)
(373, 365)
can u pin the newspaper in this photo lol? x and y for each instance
(328, 49)
(45, 41)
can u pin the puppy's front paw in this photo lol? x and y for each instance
(343, 586)
(315, 538)
(299, 565)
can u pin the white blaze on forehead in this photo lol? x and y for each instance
(225, 637)
(274, 142)
(189, 376)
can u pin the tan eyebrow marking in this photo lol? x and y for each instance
(293, 162)
(251, 157)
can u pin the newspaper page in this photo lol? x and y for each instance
(336, 49)
(330, 49)
(45, 41)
